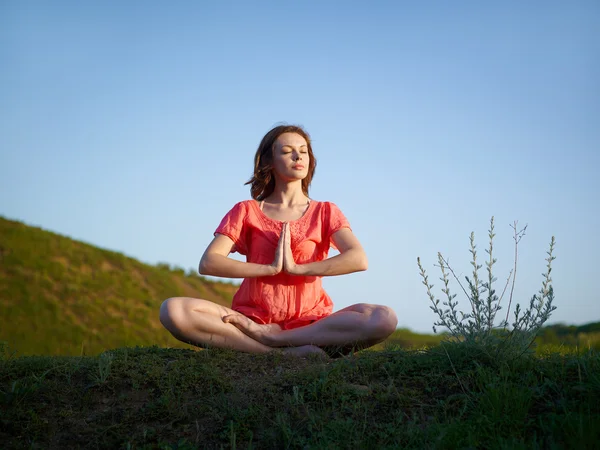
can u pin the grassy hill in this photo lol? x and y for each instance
(59, 296)
(62, 297)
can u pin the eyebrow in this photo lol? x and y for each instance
(291, 146)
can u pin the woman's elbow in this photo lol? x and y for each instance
(363, 262)
(204, 268)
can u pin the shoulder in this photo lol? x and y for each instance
(246, 211)
(327, 207)
(239, 212)
(328, 212)
(243, 206)
(321, 204)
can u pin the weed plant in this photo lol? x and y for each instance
(478, 328)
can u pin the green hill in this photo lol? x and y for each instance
(59, 296)
(561, 335)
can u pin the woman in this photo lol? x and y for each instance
(285, 236)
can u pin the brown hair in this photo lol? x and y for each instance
(262, 182)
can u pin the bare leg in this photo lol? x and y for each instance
(357, 326)
(200, 322)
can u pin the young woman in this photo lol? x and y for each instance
(285, 236)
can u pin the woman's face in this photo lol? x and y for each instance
(290, 157)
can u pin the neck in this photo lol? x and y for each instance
(288, 194)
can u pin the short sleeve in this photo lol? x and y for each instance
(232, 226)
(336, 221)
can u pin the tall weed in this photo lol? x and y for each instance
(478, 327)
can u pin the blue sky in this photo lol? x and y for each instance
(133, 125)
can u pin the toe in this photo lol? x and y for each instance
(232, 318)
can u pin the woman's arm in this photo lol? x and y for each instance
(215, 261)
(352, 258)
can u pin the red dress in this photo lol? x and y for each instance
(290, 301)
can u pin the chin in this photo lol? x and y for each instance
(297, 176)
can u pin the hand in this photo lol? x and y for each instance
(277, 264)
(289, 265)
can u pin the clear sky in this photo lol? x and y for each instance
(133, 125)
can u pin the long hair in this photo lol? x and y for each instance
(263, 182)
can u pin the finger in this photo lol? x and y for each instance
(281, 243)
(285, 239)
(282, 235)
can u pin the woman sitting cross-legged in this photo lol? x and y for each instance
(286, 237)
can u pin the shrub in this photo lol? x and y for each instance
(163, 266)
(178, 269)
(477, 327)
(192, 273)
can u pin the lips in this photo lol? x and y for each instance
(298, 166)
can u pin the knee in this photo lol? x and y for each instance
(171, 313)
(384, 321)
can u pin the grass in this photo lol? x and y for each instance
(444, 397)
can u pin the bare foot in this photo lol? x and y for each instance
(258, 332)
(305, 350)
